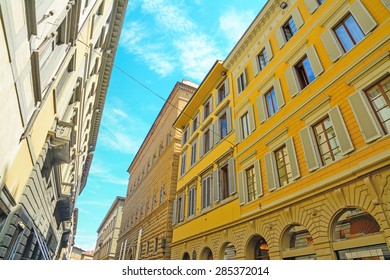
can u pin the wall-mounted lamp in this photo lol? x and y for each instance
(283, 5)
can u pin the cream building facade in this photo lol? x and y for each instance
(108, 231)
(146, 229)
(56, 61)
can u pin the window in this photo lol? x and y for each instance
(289, 29)
(193, 152)
(183, 164)
(191, 201)
(162, 195)
(184, 137)
(222, 125)
(224, 176)
(271, 104)
(327, 142)
(206, 141)
(224, 182)
(304, 72)
(263, 59)
(206, 192)
(168, 140)
(155, 244)
(207, 108)
(245, 125)
(312, 5)
(379, 98)
(195, 123)
(179, 208)
(221, 93)
(250, 183)
(241, 82)
(283, 166)
(348, 32)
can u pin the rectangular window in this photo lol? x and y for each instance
(348, 32)
(179, 208)
(304, 72)
(379, 97)
(250, 183)
(224, 181)
(221, 93)
(162, 195)
(184, 137)
(271, 103)
(191, 201)
(206, 192)
(245, 125)
(206, 141)
(289, 29)
(241, 82)
(193, 152)
(183, 164)
(283, 166)
(222, 125)
(327, 142)
(207, 109)
(195, 123)
(263, 59)
(155, 244)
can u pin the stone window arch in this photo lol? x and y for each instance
(297, 243)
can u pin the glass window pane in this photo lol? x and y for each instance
(344, 38)
(354, 29)
(309, 70)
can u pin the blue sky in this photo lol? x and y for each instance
(162, 42)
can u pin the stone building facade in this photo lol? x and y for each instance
(56, 64)
(311, 85)
(108, 231)
(146, 229)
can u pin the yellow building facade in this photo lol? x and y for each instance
(310, 83)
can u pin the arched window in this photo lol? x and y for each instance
(186, 256)
(354, 224)
(206, 254)
(297, 237)
(257, 249)
(228, 252)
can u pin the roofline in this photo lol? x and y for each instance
(116, 201)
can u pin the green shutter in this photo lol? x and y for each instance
(292, 158)
(268, 50)
(232, 176)
(310, 149)
(270, 171)
(216, 184)
(314, 61)
(279, 93)
(365, 117)
(332, 45)
(259, 185)
(363, 17)
(280, 37)
(174, 212)
(341, 131)
(237, 130)
(252, 125)
(229, 119)
(255, 66)
(241, 187)
(311, 5)
(292, 81)
(297, 17)
(261, 108)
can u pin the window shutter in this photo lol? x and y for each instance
(341, 131)
(216, 131)
(362, 16)
(216, 185)
(201, 152)
(310, 149)
(332, 45)
(255, 66)
(238, 131)
(297, 17)
(365, 117)
(212, 135)
(211, 103)
(270, 171)
(261, 108)
(241, 187)
(229, 119)
(239, 89)
(245, 80)
(386, 3)
(280, 37)
(226, 84)
(259, 185)
(183, 196)
(278, 93)
(232, 176)
(252, 125)
(314, 61)
(268, 50)
(292, 81)
(174, 212)
(311, 5)
(292, 158)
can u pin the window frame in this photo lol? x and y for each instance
(350, 36)
(183, 162)
(263, 54)
(290, 26)
(241, 82)
(245, 131)
(288, 174)
(191, 210)
(302, 72)
(250, 188)
(274, 102)
(194, 150)
(206, 192)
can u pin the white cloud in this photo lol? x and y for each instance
(122, 132)
(172, 42)
(233, 24)
(104, 174)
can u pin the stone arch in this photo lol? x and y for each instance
(356, 234)
(228, 251)
(296, 242)
(206, 254)
(186, 256)
(257, 248)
